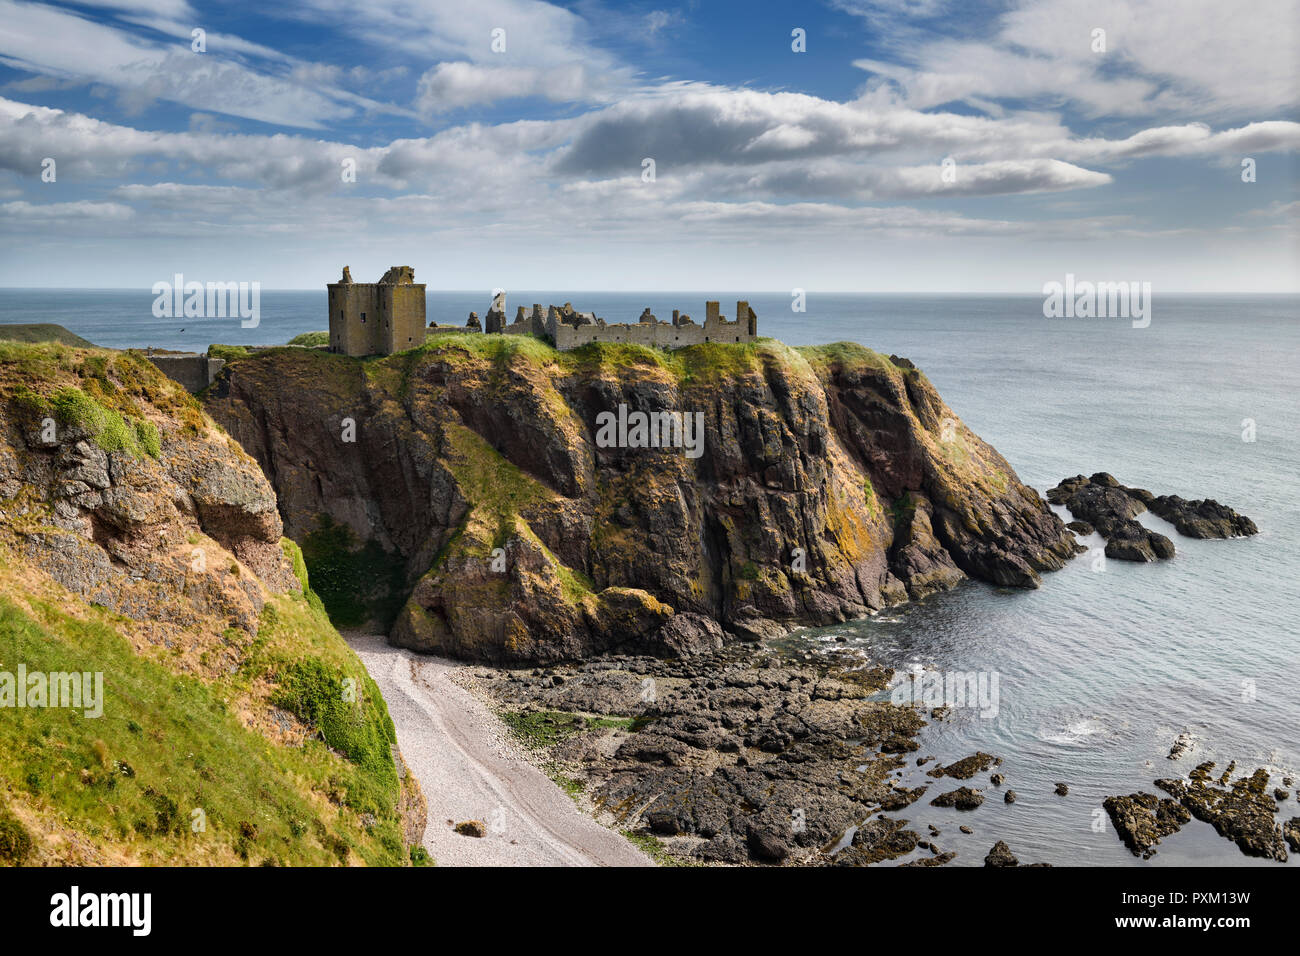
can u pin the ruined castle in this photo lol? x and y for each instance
(388, 316)
(376, 318)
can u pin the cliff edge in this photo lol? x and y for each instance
(495, 501)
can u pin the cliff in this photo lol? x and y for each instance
(832, 481)
(141, 553)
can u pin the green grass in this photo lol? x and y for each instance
(849, 354)
(540, 729)
(15, 841)
(168, 745)
(231, 353)
(108, 428)
(311, 339)
(651, 846)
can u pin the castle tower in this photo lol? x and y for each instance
(376, 318)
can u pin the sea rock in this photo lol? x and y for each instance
(1242, 812)
(1203, 518)
(1109, 507)
(965, 768)
(687, 635)
(1291, 831)
(1001, 855)
(739, 752)
(880, 839)
(1143, 819)
(1009, 797)
(471, 828)
(963, 798)
(766, 846)
(1062, 790)
(1182, 744)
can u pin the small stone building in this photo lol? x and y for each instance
(376, 318)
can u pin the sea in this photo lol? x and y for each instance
(1104, 665)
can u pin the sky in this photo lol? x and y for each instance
(900, 146)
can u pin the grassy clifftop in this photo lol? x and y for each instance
(41, 332)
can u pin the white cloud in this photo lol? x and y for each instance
(143, 71)
(458, 84)
(81, 210)
(1197, 57)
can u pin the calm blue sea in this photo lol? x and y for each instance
(1098, 672)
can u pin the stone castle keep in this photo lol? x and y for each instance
(379, 318)
(376, 318)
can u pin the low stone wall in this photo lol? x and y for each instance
(192, 370)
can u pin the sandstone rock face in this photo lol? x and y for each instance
(831, 482)
(187, 537)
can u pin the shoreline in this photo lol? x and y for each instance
(470, 770)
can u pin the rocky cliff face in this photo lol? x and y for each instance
(141, 550)
(113, 482)
(831, 482)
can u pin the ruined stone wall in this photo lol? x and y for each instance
(354, 317)
(403, 317)
(659, 334)
(193, 371)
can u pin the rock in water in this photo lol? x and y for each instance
(1142, 820)
(963, 798)
(1108, 507)
(1000, 855)
(1242, 812)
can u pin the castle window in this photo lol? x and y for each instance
(363, 317)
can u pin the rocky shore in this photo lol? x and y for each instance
(739, 757)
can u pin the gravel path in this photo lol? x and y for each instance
(471, 770)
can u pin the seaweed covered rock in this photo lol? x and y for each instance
(1143, 819)
(1242, 811)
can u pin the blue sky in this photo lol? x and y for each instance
(774, 169)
